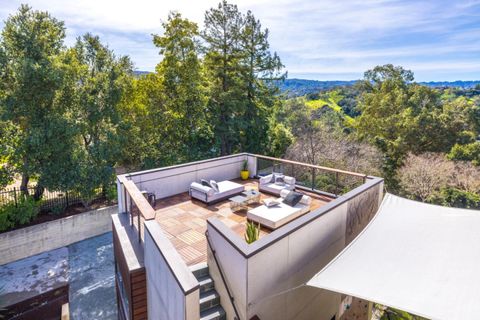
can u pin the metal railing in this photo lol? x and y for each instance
(319, 179)
(50, 200)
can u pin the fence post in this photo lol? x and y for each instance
(139, 227)
(313, 179)
(15, 196)
(336, 184)
(66, 197)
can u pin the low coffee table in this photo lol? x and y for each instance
(242, 201)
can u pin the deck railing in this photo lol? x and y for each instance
(319, 179)
(164, 182)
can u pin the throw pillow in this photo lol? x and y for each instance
(205, 183)
(270, 202)
(280, 180)
(293, 198)
(274, 175)
(214, 185)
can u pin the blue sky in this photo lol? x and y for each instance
(316, 39)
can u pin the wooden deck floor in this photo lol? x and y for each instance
(184, 221)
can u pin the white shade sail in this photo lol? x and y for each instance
(417, 257)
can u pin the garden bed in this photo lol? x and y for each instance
(73, 209)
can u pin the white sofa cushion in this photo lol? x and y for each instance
(267, 184)
(276, 216)
(306, 200)
(207, 194)
(200, 187)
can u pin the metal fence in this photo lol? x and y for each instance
(332, 181)
(49, 201)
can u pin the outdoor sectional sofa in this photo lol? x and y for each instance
(276, 216)
(226, 189)
(267, 184)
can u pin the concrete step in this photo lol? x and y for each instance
(200, 270)
(209, 300)
(216, 313)
(206, 284)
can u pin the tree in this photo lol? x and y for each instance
(321, 139)
(421, 177)
(399, 117)
(100, 82)
(223, 55)
(182, 83)
(31, 75)
(260, 69)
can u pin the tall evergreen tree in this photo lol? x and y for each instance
(260, 68)
(241, 69)
(223, 26)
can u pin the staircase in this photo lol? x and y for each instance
(210, 308)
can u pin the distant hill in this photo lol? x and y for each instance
(301, 87)
(138, 73)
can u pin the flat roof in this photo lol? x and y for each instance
(184, 221)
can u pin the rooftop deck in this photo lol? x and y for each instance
(184, 221)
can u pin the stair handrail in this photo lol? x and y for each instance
(230, 295)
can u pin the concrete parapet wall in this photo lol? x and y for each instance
(28, 241)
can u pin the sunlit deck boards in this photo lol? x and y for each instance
(184, 221)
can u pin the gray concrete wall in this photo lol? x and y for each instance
(276, 274)
(172, 290)
(177, 179)
(279, 264)
(25, 242)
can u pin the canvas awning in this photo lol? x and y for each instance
(417, 257)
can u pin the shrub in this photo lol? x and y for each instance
(25, 211)
(58, 209)
(111, 194)
(5, 218)
(12, 215)
(453, 197)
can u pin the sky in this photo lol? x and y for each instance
(316, 39)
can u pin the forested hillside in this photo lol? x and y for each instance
(301, 87)
(71, 116)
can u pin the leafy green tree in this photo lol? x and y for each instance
(184, 121)
(466, 152)
(400, 116)
(31, 75)
(222, 64)
(101, 81)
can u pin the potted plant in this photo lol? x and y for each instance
(244, 172)
(252, 233)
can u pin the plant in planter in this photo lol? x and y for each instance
(244, 172)
(252, 233)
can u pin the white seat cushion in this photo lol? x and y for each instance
(277, 216)
(207, 194)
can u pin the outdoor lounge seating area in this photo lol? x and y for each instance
(211, 191)
(276, 215)
(276, 182)
(183, 217)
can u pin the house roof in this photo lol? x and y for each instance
(417, 257)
